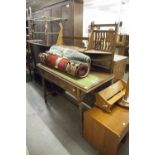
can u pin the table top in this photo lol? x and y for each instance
(87, 84)
(118, 58)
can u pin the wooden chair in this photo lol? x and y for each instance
(102, 44)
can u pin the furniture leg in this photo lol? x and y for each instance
(80, 104)
(44, 89)
(30, 72)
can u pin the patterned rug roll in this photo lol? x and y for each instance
(69, 53)
(43, 57)
(77, 68)
(57, 62)
(72, 67)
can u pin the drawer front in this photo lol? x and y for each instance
(60, 82)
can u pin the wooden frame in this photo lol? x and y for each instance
(102, 41)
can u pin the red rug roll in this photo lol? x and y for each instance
(72, 67)
(51, 60)
(62, 64)
(82, 70)
(43, 58)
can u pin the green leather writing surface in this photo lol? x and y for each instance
(93, 78)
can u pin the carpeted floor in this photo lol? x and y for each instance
(54, 129)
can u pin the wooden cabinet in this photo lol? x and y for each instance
(119, 66)
(105, 131)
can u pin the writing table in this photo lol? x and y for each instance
(75, 86)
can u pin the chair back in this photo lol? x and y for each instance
(102, 38)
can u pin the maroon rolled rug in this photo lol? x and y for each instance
(77, 68)
(82, 70)
(43, 57)
(51, 60)
(57, 62)
(63, 64)
(72, 67)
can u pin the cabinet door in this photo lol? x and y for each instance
(68, 13)
(39, 26)
(56, 12)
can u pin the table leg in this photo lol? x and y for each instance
(30, 72)
(79, 99)
(81, 108)
(44, 89)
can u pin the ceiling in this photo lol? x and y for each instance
(38, 4)
(106, 5)
(99, 4)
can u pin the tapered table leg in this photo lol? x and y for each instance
(44, 89)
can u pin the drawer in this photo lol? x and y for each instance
(60, 82)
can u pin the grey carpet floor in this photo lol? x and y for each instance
(54, 129)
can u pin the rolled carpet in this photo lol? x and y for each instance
(43, 57)
(69, 53)
(77, 68)
(72, 67)
(57, 62)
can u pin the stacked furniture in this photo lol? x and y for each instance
(107, 124)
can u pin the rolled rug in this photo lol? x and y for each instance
(76, 55)
(82, 70)
(77, 68)
(72, 67)
(43, 57)
(69, 53)
(57, 62)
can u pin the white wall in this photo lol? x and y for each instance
(104, 12)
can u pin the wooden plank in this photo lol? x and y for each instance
(111, 90)
(116, 97)
(97, 52)
(75, 37)
(104, 25)
(110, 31)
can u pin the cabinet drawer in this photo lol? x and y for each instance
(60, 82)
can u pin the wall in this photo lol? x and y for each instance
(103, 12)
(72, 27)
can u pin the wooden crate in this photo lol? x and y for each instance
(105, 131)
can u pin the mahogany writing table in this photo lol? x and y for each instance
(75, 86)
